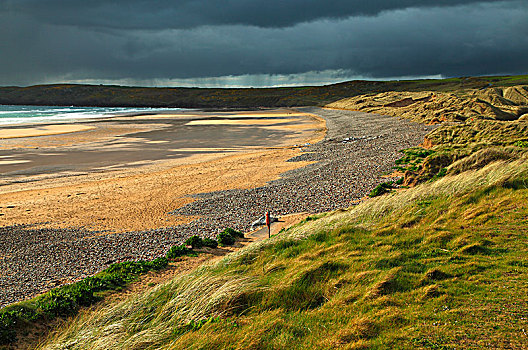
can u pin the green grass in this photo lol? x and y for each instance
(412, 158)
(438, 266)
(382, 188)
(66, 300)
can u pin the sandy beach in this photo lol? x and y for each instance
(42, 131)
(131, 187)
(127, 173)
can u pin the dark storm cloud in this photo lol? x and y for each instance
(148, 14)
(466, 39)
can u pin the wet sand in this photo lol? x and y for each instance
(127, 173)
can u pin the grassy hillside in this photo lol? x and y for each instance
(442, 265)
(99, 95)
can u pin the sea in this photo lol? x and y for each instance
(15, 115)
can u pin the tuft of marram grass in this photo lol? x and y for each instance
(153, 316)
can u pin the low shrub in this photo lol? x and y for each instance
(210, 243)
(158, 263)
(137, 267)
(195, 242)
(228, 236)
(224, 238)
(177, 251)
(8, 321)
(381, 189)
(234, 233)
(66, 300)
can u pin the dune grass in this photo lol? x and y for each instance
(457, 147)
(439, 266)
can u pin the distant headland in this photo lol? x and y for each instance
(124, 96)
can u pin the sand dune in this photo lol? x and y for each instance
(509, 103)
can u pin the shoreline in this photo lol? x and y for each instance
(53, 196)
(126, 140)
(60, 117)
(314, 177)
(156, 113)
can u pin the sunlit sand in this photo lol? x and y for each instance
(43, 130)
(239, 122)
(133, 181)
(6, 162)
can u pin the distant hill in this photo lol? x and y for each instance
(121, 96)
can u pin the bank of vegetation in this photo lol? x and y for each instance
(36, 316)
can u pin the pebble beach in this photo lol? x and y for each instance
(357, 153)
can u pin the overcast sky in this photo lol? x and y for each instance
(257, 42)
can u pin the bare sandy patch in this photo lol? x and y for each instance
(11, 133)
(209, 149)
(269, 114)
(96, 134)
(7, 162)
(141, 201)
(157, 116)
(293, 127)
